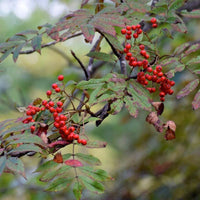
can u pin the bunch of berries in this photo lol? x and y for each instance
(55, 108)
(146, 73)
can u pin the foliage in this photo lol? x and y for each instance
(48, 125)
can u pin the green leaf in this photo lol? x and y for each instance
(16, 165)
(176, 4)
(180, 49)
(196, 101)
(96, 174)
(96, 144)
(177, 68)
(194, 61)
(192, 14)
(132, 109)
(88, 32)
(47, 166)
(25, 148)
(6, 54)
(92, 185)
(28, 32)
(94, 94)
(91, 84)
(36, 43)
(90, 159)
(17, 38)
(167, 33)
(115, 42)
(191, 49)
(17, 51)
(25, 138)
(102, 56)
(2, 164)
(58, 172)
(16, 128)
(106, 97)
(77, 190)
(158, 10)
(116, 106)
(180, 26)
(59, 184)
(188, 89)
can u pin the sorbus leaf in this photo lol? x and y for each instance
(102, 56)
(59, 184)
(54, 172)
(191, 49)
(17, 50)
(92, 185)
(73, 163)
(192, 14)
(188, 88)
(90, 159)
(116, 106)
(96, 144)
(130, 106)
(196, 101)
(15, 165)
(2, 164)
(36, 43)
(177, 68)
(25, 148)
(96, 174)
(5, 54)
(77, 190)
(176, 4)
(46, 166)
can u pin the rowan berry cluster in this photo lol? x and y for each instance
(146, 73)
(55, 108)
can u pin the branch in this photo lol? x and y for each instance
(81, 64)
(49, 44)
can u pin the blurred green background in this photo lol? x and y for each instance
(143, 164)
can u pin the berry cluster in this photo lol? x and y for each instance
(140, 60)
(55, 108)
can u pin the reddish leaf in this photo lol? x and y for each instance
(178, 68)
(159, 107)
(88, 32)
(181, 48)
(188, 88)
(192, 49)
(74, 163)
(36, 43)
(84, 2)
(191, 14)
(196, 101)
(180, 25)
(58, 158)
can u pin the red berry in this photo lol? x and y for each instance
(126, 50)
(138, 26)
(49, 92)
(43, 109)
(161, 94)
(71, 129)
(63, 117)
(62, 123)
(55, 114)
(129, 32)
(44, 102)
(139, 31)
(160, 74)
(147, 56)
(54, 85)
(76, 136)
(123, 31)
(163, 78)
(83, 142)
(141, 47)
(32, 129)
(172, 83)
(129, 54)
(52, 110)
(51, 103)
(128, 46)
(155, 25)
(153, 89)
(59, 103)
(59, 110)
(56, 124)
(149, 69)
(128, 37)
(155, 72)
(170, 92)
(162, 99)
(60, 77)
(133, 27)
(143, 52)
(128, 28)
(153, 20)
(135, 35)
(57, 89)
(158, 68)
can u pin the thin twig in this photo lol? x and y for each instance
(81, 64)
